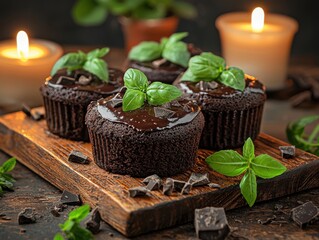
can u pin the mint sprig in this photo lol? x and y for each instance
(6, 180)
(209, 67)
(140, 91)
(171, 49)
(231, 163)
(71, 228)
(296, 134)
(90, 62)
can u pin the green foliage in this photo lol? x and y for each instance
(71, 228)
(296, 134)
(6, 180)
(171, 49)
(94, 12)
(209, 67)
(90, 62)
(231, 163)
(138, 91)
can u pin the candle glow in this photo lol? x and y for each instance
(257, 20)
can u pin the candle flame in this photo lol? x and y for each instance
(23, 46)
(257, 19)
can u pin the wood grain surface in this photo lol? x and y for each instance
(46, 155)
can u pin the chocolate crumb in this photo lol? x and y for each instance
(70, 198)
(138, 191)
(55, 213)
(26, 216)
(78, 157)
(84, 80)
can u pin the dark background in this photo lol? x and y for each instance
(52, 20)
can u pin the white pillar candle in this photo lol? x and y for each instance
(23, 68)
(261, 50)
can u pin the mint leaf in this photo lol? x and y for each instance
(176, 37)
(233, 77)
(133, 99)
(177, 53)
(265, 166)
(159, 93)
(227, 162)
(88, 13)
(190, 77)
(97, 67)
(248, 187)
(146, 51)
(79, 213)
(135, 79)
(70, 60)
(58, 236)
(67, 225)
(8, 165)
(249, 150)
(98, 53)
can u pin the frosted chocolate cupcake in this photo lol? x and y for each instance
(146, 131)
(165, 61)
(232, 102)
(75, 81)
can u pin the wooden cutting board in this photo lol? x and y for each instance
(46, 154)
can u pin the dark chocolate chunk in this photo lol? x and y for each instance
(152, 177)
(161, 112)
(178, 185)
(78, 157)
(63, 80)
(70, 198)
(59, 207)
(154, 184)
(304, 214)
(206, 86)
(214, 185)
(34, 115)
(175, 103)
(84, 80)
(199, 179)
(287, 151)
(138, 191)
(187, 108)
(27, 110)
(187, 188)
(116, 102)
(55, 213)
(168, 187)
(93, 220)
(37, 116)
(211, 223)
(26, 216)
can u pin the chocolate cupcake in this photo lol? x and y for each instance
(165, 61)
(150, 139)
(232, 112)
(66, 94)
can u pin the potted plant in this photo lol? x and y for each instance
(141, 20)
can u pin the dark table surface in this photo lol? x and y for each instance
(32, 191)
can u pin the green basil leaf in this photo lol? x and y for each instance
(163, 43)
(133, 99)
(265, 166)
(206, 66)
(227, 162)
(177, 53)
(248, 187)
(7, 177)
(233, 77)
(88, 13)
(70, 60)
(67, 225)
(58, 236)
(249, 150)
(81, 233)
(79, 213)
(97, 67)
(8, 165)
(190, 77)
(176, 37)
(145, 51)
(98, 53)
(135, 79)
(159, 93)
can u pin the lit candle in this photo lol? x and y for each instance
(258, 44)
(23, 68)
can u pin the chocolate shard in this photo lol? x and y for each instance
(115, 102)
(287, 151)
(63, 80)
(34, 115)
(211, 223)
(152, 177)
(161, 112)
(138, 191)
(199, 179)
(304, 214)
(70, 198)
(55, 213)
(93, 221)
(84, 80)
(186, 189)
(78, 157)
(37, 116)
(168, 187)
(178, 185)
(26, 216)
(214, 185)
(187, 108)
(26, 110)
(205, 86)
(154, 184)
(175, 103)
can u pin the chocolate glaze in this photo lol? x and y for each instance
(144, 119)
(96, 85)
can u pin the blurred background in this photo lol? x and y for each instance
(52, 20)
